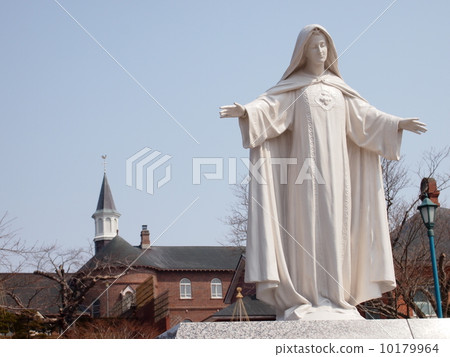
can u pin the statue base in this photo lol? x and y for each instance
(319, 329)
(305, 312)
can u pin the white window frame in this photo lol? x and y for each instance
(216, 288)
(128, 298)
(185, 289)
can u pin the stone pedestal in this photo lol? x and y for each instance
(336, 329)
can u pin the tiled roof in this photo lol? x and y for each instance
(34, 291)
(253, 307)
(194, 258)
(119, 251)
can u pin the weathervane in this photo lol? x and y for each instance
(104, 162)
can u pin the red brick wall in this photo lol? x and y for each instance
(198, 308)
(201, 305)
(113, 295)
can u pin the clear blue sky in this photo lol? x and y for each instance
(65, 101)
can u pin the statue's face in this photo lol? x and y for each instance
(317, 49)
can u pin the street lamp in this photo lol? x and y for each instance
(428, 212)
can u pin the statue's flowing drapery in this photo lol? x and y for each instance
(318, 236)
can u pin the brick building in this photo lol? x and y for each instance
(188, 283)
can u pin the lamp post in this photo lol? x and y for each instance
(428, 212)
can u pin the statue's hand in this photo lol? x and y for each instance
(413, 125)
(232, 111)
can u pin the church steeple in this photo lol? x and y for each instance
(106, 217)
(105, 200)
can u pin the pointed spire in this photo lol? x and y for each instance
(105, 200)
(106, 216)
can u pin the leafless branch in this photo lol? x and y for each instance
(237, 218)
(408, 237)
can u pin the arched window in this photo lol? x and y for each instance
(216, 289)
(99, 226)
(185, 289)
(108, 225)
(127, 301)
(128, 298)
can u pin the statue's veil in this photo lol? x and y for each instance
(331, 63)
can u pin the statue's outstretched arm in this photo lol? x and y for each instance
(413, 125)
(232, 111)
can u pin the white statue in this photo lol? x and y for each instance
(318, 240)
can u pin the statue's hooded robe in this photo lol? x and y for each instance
(318, 239)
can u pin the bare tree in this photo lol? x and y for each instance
(14, 252)
(237, 219)
(74, 279)
(114, 328)
(15, 257)
(59, 285)
(431, 166)
(409, 241)
(18, 293)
